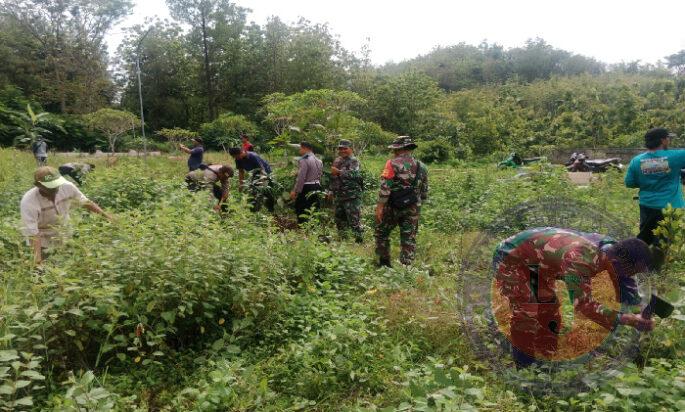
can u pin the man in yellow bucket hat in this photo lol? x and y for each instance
(47, 205)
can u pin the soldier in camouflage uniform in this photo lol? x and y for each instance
(527, 265)
(404, 185)
(346, 188)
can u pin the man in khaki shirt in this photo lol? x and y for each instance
(307, 187)
(47, 205)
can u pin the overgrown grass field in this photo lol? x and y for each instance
(171, 308)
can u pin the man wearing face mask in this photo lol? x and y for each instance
(47, 205)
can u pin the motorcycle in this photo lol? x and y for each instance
(580, 163)
(515, 161)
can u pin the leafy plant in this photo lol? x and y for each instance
(112, 123)
(29, 126)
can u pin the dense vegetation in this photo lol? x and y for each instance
(247, 316)
(473, 100)
(171, 308)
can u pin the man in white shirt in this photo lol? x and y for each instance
(47, 205)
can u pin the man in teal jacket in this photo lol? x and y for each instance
(657, 174)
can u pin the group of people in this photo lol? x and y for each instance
(404, 185)
(526, 266)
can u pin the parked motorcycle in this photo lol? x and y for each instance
(580, 163)
(515, 160)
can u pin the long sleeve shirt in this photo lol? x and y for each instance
(41, 216)
(347, 185)
(555, 254)
(310, 169)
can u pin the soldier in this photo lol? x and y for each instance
(346, 188)
(308, 183)
(527, 266)
(404, 185)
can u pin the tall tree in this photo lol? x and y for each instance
(208, 18)
(69, 40)
(677, 61)
(171, 86)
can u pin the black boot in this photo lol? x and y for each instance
(384, 262)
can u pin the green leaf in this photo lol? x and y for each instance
(6, 390)
(8, 355)
(232, 349)
(170, 316)
(25, 401)
(33, 375)
(21, 384)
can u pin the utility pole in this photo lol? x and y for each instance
(140, 91)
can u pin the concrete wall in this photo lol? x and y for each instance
(561, 156)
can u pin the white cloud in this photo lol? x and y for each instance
(609, 30)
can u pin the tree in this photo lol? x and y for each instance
(677, 61)
(225, 131)
(321, 117)
(170, 83)
(177, 135)
(67, 45)
(112, 123)
(397, 102)
(208, 19)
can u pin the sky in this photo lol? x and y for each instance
(608, 30)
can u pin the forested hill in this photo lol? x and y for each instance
(211, 63)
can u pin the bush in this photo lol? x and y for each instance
(434, 151)
(224, 132)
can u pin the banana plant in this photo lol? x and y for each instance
(30, 126)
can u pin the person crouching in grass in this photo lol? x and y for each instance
(215, 177)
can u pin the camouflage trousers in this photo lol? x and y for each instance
(408, 221)
(348, 214)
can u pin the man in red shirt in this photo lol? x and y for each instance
(246, 145)
(528, 264)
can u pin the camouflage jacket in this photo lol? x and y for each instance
(348, 185)
(400, 173)
(555, 254)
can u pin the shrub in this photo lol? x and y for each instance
(224, 132)
(434, 151)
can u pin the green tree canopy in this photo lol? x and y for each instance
(112, 123)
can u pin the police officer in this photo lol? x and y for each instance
(346, 189)
(308, 183)
(404, 185)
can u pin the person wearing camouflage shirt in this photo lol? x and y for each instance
(404, 185)
(527, 266)
(347, 188)
(76, 171)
